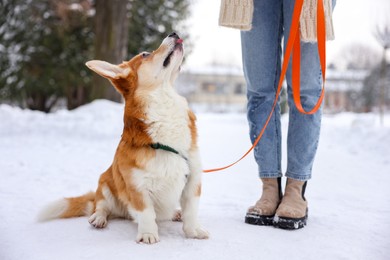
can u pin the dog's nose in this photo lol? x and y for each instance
(174, 35)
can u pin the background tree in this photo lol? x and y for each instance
(373, 94)
(12, 26)
(77, 38)
(44, 45)
(152, 20)
(43, 55)
(358, 56)
(359, 59)
(382, 35)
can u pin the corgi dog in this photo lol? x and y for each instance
(156, 166)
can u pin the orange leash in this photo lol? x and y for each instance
(293, 44)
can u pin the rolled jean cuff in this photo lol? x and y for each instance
(298, 177)
(270, 175)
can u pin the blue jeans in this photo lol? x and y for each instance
(261, 54)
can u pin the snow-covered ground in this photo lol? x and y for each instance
(44, 157)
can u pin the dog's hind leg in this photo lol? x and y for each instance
(99, 218)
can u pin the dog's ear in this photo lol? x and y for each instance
(108, 70)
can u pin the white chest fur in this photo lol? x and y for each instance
(164, 179)
(167, 119)
(166, 174)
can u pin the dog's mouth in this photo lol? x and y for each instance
(178, 46)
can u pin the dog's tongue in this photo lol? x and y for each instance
(179, 41)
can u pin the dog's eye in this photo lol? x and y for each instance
(145, 54)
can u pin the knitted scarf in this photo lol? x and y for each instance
(238, 14)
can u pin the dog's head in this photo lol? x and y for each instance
(146, 71)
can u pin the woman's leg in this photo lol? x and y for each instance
(303, 130)
(261, 54)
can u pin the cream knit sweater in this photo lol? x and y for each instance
(238, 14)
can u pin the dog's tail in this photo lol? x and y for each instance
(69, 207)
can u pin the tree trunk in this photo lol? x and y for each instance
(111, 38)
(382, 84)
(76, 96)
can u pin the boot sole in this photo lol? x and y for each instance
(290, 223)
(260, 220)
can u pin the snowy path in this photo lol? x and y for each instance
(46, 157)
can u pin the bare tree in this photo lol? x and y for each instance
(382, 34)
(359, 56)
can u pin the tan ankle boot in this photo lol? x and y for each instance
(263, 212)
(292, 211)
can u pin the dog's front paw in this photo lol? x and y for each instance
(97, 220)
(147, 238)
(198, 233)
